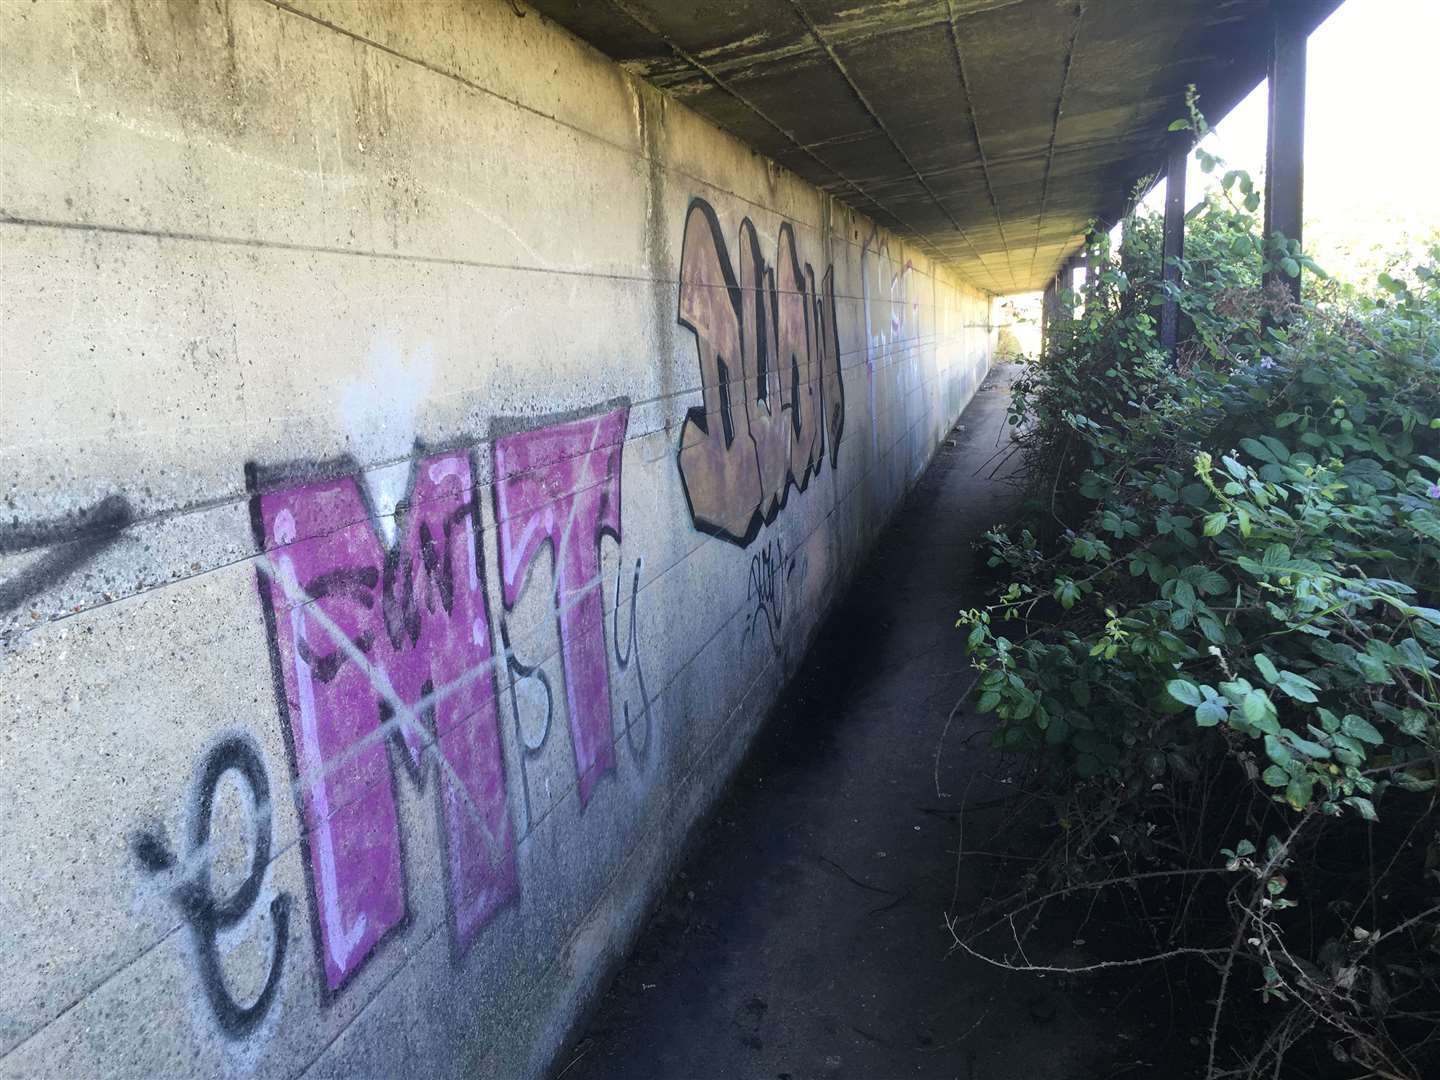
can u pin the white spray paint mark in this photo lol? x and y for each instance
(380, 410)
(340, 938)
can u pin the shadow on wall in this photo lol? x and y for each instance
(380, 627)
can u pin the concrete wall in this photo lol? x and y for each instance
(398, 549)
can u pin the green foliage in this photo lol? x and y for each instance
(1249, 543)
(1234, 557)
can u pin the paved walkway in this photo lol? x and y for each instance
(805, 937)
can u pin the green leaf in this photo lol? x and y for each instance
(1256, 707)
(1255, 448)
(1298, 792)
(1267, 668)
(1215, 523)
(1236, 690)
(1275, 776)
(1277, 751)
(1187, 693)
(1184, 593)
(1297, 686)
(1363, 805)
(987, 702)
(1305, 746)
(1359, 728)
(1373, 670)
(1429, 614)
(1205, 580)
(1210, 713)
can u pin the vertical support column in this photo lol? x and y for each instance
(1172, 246)
(1049, 311)
(1285, 147)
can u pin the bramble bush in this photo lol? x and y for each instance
(1220, 631)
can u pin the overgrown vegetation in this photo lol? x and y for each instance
(1219, 637)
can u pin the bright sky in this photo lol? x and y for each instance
(1372, 156)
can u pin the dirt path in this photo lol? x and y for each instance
(805, 936)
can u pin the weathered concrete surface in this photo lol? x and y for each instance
(989, 131)
(404, 523)
(805, 937)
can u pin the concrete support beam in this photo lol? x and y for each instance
(1173, 240)
(1285, 147)
(1049, 310)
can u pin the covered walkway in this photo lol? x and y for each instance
(805, 937)
(408, 409)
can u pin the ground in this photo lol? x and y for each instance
(805, 935)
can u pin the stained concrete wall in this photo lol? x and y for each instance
(425, 452)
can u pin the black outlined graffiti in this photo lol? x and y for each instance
(207, 914)
(384, 667)
(767, 341)
(69, 544)
(531, 745)
(382, 651)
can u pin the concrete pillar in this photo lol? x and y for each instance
(1285, 147)
(1173, 242)
(1049, 311)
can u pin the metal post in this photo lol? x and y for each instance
(1172, 246)
(1285, 147)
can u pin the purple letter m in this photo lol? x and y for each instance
(372, 643)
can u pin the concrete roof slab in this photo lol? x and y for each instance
(989, 131)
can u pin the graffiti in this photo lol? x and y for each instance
(769, 355)
(530, 683)
(770, 573)
(628, 657)
(71, 543)
(394, 644)
(885, 302)
(209, 915)
(562, 484)
(384, 654)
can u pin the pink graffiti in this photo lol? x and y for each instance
(562, 484)
(374, 645)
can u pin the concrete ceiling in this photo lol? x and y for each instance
(989, 131)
